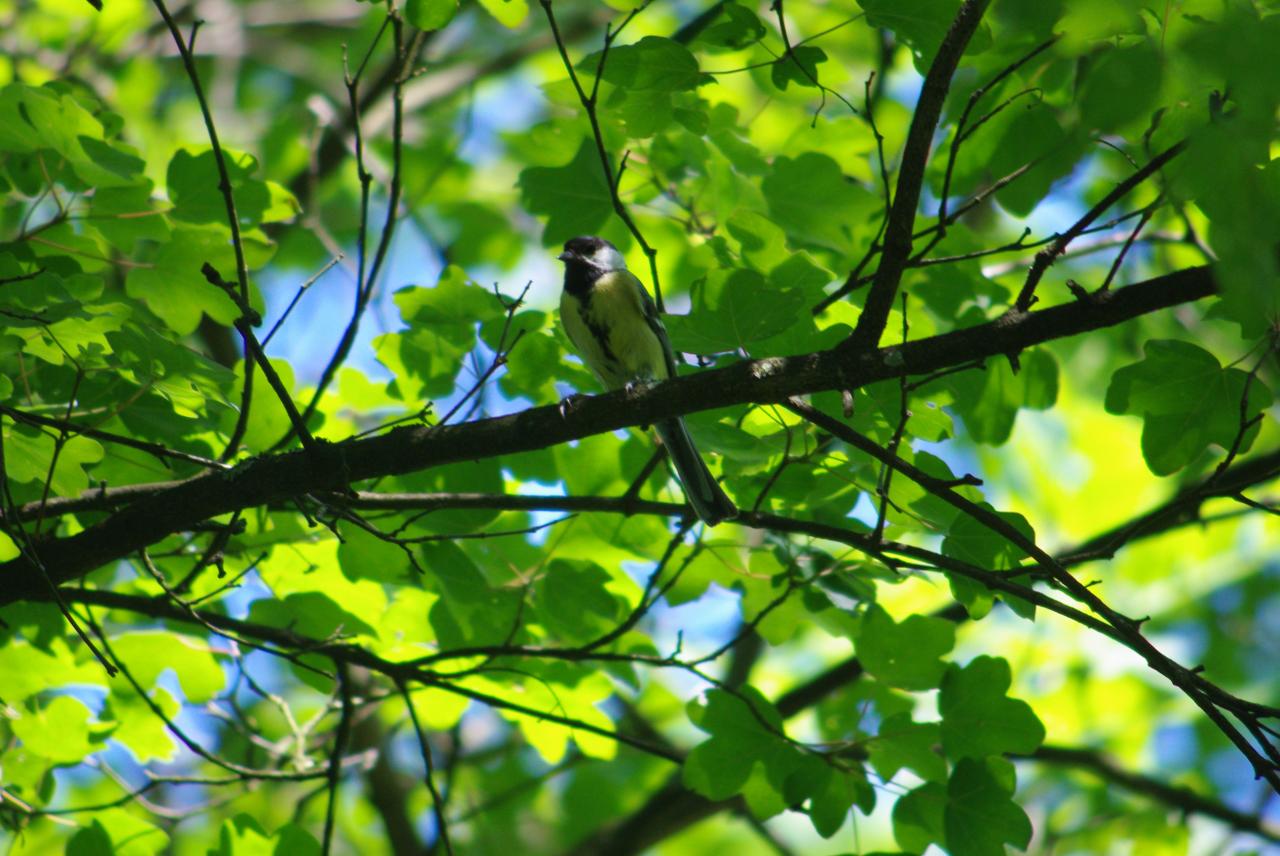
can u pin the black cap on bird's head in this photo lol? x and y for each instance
(593, 252)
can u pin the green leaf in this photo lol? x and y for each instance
(645, 112)
(194, 183)
(744, 733)
(800, 272)
(905, 655)
(653, 63)
(573, 601)
(127, 215)
(296, 841)
(574, 198)
(120, 164)
(1228, 170)
(451, 308)
(815, 203)
(430, 14)
(799, 66)
(1033, 135)
(39, 118)
(972, 541)
(26, 670)
(442, 329)
(918, 818)
(508, 13)
(173, 287)
(1121, 87)
(471, 611)
(58, 731)
(8, 549)
(732, 310)
(138, 729)
(978, 718)
(735, 28)
(1086, 23)
(29, 452)
(902, 743)
(921, 24)
(762, 242)
(483, 476)
(80, 334)
(115, 832)
(242, 835)
(988, 399)
(92, 840)
(535, 369)
(364, 556)
(310, 613)
(148, 654)
(1187, 401)
(834, 794)
(981, 816)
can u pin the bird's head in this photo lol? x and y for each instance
(592, 252)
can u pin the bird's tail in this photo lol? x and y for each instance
(702, 490)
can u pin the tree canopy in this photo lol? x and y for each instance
(977, 306)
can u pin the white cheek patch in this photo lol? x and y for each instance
(607, 257)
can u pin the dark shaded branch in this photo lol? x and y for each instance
(331, 467)
(1174, 796)
(1215, 702)
(255, 354)
(915, 155)
(386, 787)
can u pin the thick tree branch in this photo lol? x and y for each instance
(915, 155)
(332, 467)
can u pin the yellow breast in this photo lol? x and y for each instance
(611, 332)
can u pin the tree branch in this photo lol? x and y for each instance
(1046, 257)
(1211, 699)
(332, 467)
(1184, 799)
(915, 156)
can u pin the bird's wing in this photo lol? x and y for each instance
(650, 311)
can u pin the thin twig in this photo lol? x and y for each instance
(366, 285)
(228, 198)
(428, 776)
(1211, 699)
(606, 162)
(254, 350)
(335, 758)
(1046, 257)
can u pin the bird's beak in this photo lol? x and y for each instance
(565, 256)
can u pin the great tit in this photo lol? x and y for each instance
(613, 323)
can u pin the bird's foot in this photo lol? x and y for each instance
(569, 403)
(638, 386)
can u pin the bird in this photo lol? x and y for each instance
(614, 325)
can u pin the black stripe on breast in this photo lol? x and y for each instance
(598, 330)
